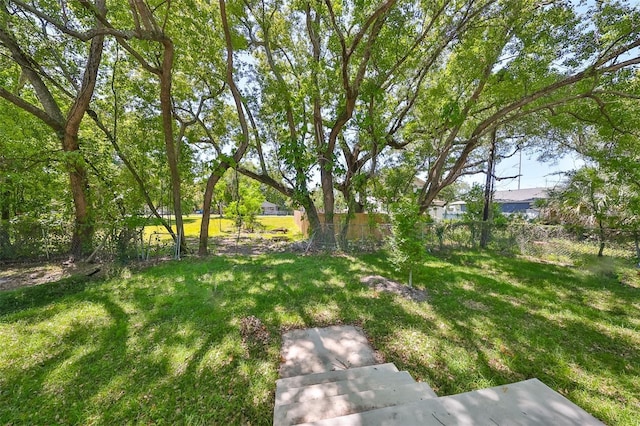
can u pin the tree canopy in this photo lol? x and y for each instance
(151, 102)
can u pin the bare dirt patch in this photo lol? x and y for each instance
(247, 246)
(380, 283)
(17, 275)
(475, 306)
(28, 275)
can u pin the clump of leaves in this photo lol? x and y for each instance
(253, 331)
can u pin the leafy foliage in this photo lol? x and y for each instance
(246, 203)
(474, 200)
(357, 98)
(591, 197)
(407, 247)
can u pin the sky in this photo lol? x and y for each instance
(534, 174)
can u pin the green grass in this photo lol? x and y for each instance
(221, 227)
(164, 346)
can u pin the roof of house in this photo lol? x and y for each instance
(266, 204)
(418, 183)
(521, 195)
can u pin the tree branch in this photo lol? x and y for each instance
(54, 124)
(267, 180)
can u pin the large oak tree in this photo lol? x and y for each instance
(54, 80)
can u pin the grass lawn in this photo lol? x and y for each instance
(220, 227)
(164, 346)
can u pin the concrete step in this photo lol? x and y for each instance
(526, 403)
(356, 402)
(317, 350)
(375, 380)
(332, 376)
(411, 414)
(529, 402)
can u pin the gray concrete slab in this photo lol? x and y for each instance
(324, 390)
(333, 376)
(357, 402)
(317, 350)
(527, 403)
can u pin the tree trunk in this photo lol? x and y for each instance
(325, 233)
(343, 238)
(206, 213)
(601, 249)
(315, 226)
(82, 238)
(83, 228)
(344, 231)
(242, 148)
(488, 194)
(170, 145)
(353, 208)
(5, 204)
(328, 199)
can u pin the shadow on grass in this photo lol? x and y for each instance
(165, 346)
(517, 319)
(39, 296)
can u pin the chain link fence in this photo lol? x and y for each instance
(558, 243)
(28, 239)
(31, 239)
(571, 244)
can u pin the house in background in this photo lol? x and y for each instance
(521, 201)
(514, 201)
(455, 210)
(437, 210)
(269, 208)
